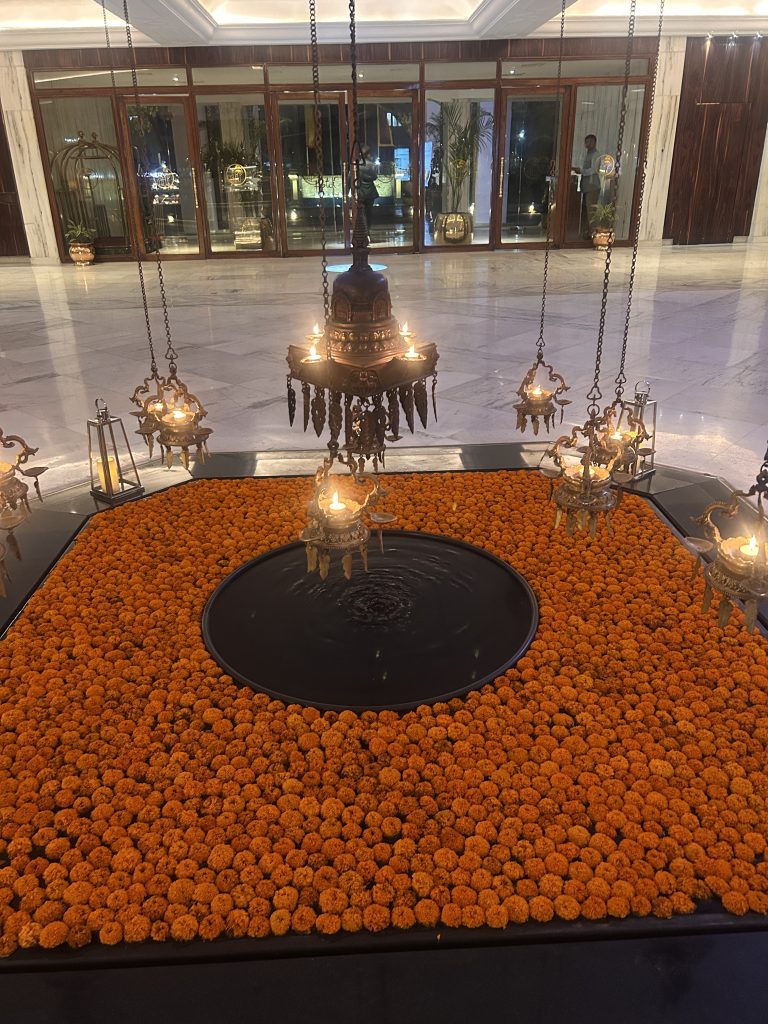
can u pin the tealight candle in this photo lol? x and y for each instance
(537, 392)
(412, 353)
(751, 549)
(314, 356)
(596, 473)
(336, 505)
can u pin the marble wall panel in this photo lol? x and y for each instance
(661, 142)
(25, 155)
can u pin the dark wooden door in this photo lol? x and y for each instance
(13, 238)
(719, 141)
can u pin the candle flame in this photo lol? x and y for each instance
(752, 548)
(616, 435)
(179, 414)
(316, 328)
(404, 328)
(412, 352)
(536, 392)
(336, 505)
(313, 351)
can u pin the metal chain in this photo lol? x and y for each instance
(132, 234)
(621, 378)
(318, 114)
(595, 394)
(548, 246)
(354, 133)
(170, 354)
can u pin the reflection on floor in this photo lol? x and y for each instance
(699, 332)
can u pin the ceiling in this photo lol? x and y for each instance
(28, 24)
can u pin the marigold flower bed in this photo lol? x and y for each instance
(620, 768)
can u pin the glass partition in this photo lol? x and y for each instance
(249, 74)
(236, 179)
(85, 169)
(387, 187)
(458, 154)
(597, 67)
(102, 79)
(165, 177)
(299, 173)
(598, 198)
(528, 164)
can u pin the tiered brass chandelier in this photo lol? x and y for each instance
(542, 388)
(739, 571)
(361, 369)
(609, 443)
(168, 411)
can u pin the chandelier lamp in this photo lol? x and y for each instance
(361, 369)
(341, 525)
(739, 569)
(167, 410)
(14, 501)
(542, 389)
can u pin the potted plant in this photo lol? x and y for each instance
(80, 239)
(604, 218)
(460, 132)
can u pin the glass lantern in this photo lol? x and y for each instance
(114, 476)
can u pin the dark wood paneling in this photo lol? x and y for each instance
(13, 237)
(337, 53)
(719, 142)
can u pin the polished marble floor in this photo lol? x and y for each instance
(699, 333)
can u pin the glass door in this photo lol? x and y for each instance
(166, 193)
(388, 185)
(237, 184)
(527, 171)
(598, 198)
(298, 171)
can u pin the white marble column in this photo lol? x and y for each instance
(26, 159)
(661, 141)
(759, 229)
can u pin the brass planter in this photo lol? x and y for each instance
(603, 237)
(82, 254)
(453, 228)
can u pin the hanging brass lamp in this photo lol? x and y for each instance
(361, 369)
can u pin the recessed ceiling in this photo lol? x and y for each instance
(54, 24)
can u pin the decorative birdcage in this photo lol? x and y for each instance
(88, 182)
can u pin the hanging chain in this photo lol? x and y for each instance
(132, 235)
(621, 378)
(548, 246)
(170, 354)
(354, 133)
(595, 394)
(318, 114)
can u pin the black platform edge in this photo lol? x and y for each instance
(708, 919)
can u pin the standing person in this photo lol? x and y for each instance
(366, 186)
(590, 181)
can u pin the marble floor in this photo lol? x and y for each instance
(699, 333)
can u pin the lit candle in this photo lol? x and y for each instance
(109, 471)
(314, 356)
(751, 549)
(617, 435)
(596, 473)
(412, 353)
(336, 505)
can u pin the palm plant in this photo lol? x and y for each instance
(460, 132)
